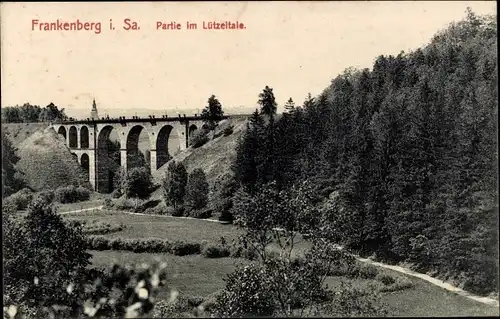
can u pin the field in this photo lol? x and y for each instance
(198, 276)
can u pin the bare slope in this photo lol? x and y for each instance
(215, 157)
(46, 161)
(18, 132)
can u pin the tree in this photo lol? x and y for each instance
(196, 190)
(212, 113)
(174, 184)
(308, 102)
(50, 279)
(12, 179)
(247, 166)
(54, 253)
(267, 102)
(137, 183)
(277, 283)
(290, 105)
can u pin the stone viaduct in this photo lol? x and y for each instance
(88, 141)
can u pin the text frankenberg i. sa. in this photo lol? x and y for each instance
(128, 24)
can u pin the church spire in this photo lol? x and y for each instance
(93, 113)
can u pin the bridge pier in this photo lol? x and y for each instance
(152, 160)
(123, 158)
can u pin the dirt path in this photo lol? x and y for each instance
(179, 217)
(81, 210)
(434, 281)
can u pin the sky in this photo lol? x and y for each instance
(294, 47)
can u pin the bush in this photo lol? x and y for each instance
(117, 193)
(367, 271)
(215, 251)
(209, 304)
(201, 213)
(180, 248)
(177, 212)
(21, 199)
(108, 203)
(354, 302)
(123, 203)
(49, 195)
(138, 183)
(9, 207)
(199, 138)
(145, 205)
(228, 130)
(386, 279)
(399, 283)
(150, 245)
(71, 194)
(247, 294)
(82, 193)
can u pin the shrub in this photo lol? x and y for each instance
(117, 193)
(400, 283)
(354, 302)
(367, 271)
(201, 213)
(71, 194)
(108, 203)
(123, 203)
(148, 204)
(82, 193)
(199, 138)
(247, 294)
(150, 245)
(237, 251)
(21, 199)
(49, 195)
(9, 207)
(180, 248)
(215, 251)
(386, 279)
(177, 212)
(228, 130)
(138, 183)
(209, 304)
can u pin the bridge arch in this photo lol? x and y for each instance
(192, 128)
(73, 137)
(85, 164)
(84, 137)
(162, 146)
(135, 158)
(108, 159)
(62, 131)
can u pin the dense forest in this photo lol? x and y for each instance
(403, 156)
(28, 113)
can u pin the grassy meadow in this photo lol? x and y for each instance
(195, 275)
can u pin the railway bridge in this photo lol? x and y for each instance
(88, 141)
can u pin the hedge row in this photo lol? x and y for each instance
(150, 245)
